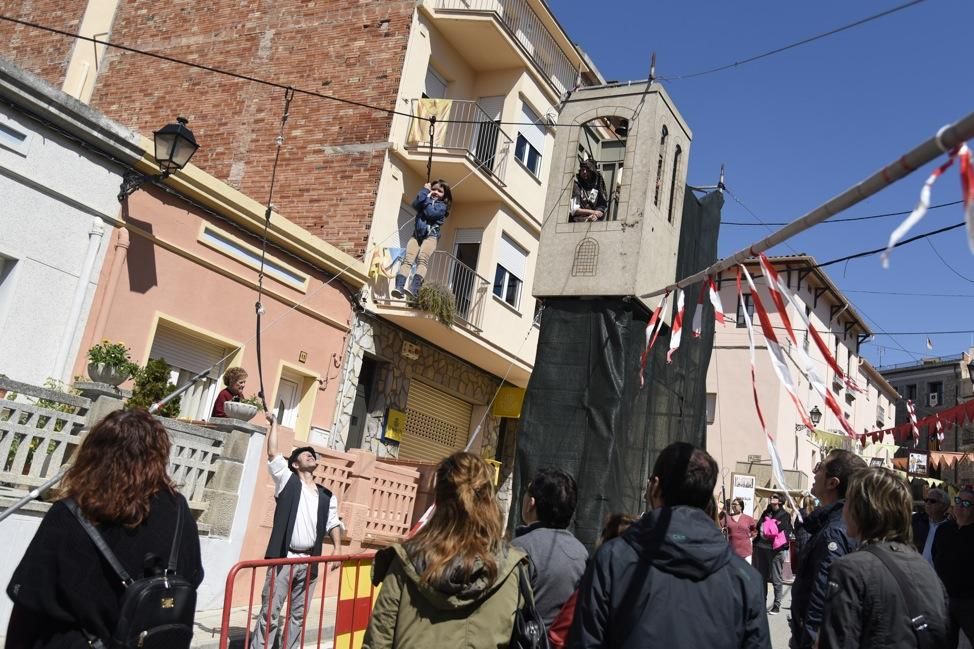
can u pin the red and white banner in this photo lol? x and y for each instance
(676, 333)
(939, 427)
(697, 326)
(963, 153)
(774, 351)
(911, 409)
(715, 301)
(779, 291)
(776, 468)
(652, 331)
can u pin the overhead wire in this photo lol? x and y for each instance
(785, 48)
(867, 253)
(845, 220)
(949, 267)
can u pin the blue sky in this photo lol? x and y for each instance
(800, 127)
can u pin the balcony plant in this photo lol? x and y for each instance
(437, 300)
(244, 410)
(151, 385)
(109, 362)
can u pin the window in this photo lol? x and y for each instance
(659, 166)
(711, 407)
(805, 340)
(935, 388)
(745, 303)
(530, 141)
(911, 392)
(463, 278)
(187, 354)
(676, 171)
(510, 273)
(434, 86)
(250, 256)
(12, 137)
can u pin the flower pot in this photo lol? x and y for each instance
(103, 373)
(241, 411)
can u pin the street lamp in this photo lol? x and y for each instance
(815, 415)
(174, 146)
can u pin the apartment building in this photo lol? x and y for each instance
(734, 434)
(406, 384)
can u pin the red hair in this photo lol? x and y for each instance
(121, 464)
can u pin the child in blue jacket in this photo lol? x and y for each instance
(432, 206)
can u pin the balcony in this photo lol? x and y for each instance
(469, 289)
(519, 22)
(473, 147)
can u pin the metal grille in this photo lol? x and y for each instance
(586, 258)
(437, 424)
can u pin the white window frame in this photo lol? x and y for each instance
(512, 261)
(14, 137)
(532, 137)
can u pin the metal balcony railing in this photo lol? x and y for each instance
(473, 131)
(469, 289)
(527, 28)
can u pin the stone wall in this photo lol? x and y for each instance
(394, 373)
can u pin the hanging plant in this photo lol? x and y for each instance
(151, 385)
(437, 300)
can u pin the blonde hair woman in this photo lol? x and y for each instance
(875, 592)
(456, 582)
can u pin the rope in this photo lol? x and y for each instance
(258, 307)
(429, 159)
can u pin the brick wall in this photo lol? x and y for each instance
(333, 153)
(42, 53)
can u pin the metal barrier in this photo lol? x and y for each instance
(469, 289)
(345, 609)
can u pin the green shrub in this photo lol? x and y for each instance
(151, 385)
(437, 299)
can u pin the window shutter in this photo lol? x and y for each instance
(468, 235)
(533, 133)
(185, 351)
(513, 258)
(437, 424)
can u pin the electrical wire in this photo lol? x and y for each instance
(907, 293)
(949, 267)
(845, 220)
(867, 253)
(767, 226)
(785, 48)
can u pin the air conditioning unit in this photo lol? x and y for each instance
(934, 399)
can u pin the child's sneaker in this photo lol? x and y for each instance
(396, 294)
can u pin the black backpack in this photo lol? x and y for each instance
(155, 612)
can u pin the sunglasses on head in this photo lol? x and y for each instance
(963, 502)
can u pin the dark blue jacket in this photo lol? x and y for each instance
(829, 541)
(430, 215)
(670, 581)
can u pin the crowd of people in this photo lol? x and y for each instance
(869, 573)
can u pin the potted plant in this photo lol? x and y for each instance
(110, 363)
(437, 300)
(244, 410)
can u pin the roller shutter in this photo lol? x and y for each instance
(437, 424)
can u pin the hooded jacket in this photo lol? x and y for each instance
(672, 581)
(410, 614)
(430, 215)
(828, 542)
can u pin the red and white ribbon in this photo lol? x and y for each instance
(967, 189)
(676, 333)
(779, 291)
(774, 351)
(940, 428)
(776, 467)
(911, 409)
(652, 331)
(962, 153)
(715, 300)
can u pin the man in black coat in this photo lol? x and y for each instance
(927, 522)
(829, 541)
(671, 579)
(954, 563)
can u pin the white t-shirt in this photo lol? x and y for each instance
(928, 546)
(306, 522)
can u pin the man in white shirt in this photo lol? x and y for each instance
(304, 514)
(926, 523)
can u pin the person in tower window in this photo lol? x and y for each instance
(589, 201)
(304, 514)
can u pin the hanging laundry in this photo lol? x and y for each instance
(419, 128)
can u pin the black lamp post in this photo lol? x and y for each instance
(815, 415)
(174, 146)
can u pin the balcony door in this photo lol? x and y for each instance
(466, 248)
(486, 135)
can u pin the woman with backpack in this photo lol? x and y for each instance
(66, 593)
(885, 594)
(456, 583)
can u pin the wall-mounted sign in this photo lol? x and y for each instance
(742, 486)
(509, 400)
(394, 427)
(918, 464)
(877, 461)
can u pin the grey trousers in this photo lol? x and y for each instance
(777, 567)
(279, 576)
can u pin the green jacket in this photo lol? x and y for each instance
(409, 614)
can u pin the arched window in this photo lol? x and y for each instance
(586, 258)
(659, 166)
(676, 172)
